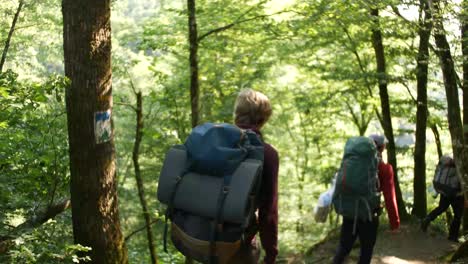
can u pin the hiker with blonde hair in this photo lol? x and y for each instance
(252, 110)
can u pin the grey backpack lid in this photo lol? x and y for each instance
(198, 193)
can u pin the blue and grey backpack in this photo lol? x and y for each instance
(210, 186)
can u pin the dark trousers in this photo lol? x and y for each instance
(457, 203)
(367, 233)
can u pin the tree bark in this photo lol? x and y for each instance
(10, 34)
(419, 184)
(453, 107)
(139, 180)
(93, 188)
(451, 90)
(193, 44)
(385, 105)
(464, 43)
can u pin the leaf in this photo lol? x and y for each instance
(3, 92)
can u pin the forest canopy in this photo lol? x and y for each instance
(332, 70)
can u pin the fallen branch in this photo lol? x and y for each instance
(52, 211)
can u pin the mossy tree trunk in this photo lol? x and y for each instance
(93, 187)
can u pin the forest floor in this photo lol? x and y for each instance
(408, 246)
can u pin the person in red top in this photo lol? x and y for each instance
(387, 185)
(367, 230)
(252, 110)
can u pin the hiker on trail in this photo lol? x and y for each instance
(387, 184)
(362, 177)
(221, 188)
(447, 184)
(252, 110)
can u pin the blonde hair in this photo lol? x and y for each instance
(252, 108)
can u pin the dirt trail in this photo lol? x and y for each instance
(411, 246)
(408, 246)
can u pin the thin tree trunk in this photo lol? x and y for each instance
(451, 90)
(419, 184)
(193, 42)
(139, 180)
(436, 133)
(10, 34)
(385, 104)
(464, 43)
(93, 185)
(453, 107)
(193, 58)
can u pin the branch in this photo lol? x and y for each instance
(10, 34)
(126, 104)
(361, 66)
(358, 58)
(249, 10)
(132, 85)
(409, 91)
(237, 22)
(397, 12)
(139, 230)
(353, 115)
(31, 25)
(50, 212)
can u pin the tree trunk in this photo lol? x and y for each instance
(464, 43)
(87, 51)
(139, 180)
(10, 34)
(453, 104)
(419, 184)
(193, 42)
(194, 85)
(385, 104)
(453, 107)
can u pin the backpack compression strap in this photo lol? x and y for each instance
(219, 216)
(170, 205)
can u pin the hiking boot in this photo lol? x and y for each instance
(425, 224)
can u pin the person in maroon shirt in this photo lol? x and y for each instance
(252, 110)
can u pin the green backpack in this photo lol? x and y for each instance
(357, 193)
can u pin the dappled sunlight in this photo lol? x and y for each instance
(396, 260)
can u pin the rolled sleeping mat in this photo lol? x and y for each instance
(198, 193)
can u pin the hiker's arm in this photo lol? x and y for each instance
(268, 210)
(388, 189)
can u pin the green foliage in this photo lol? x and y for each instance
(34, 155)
(314, 59)
(33, 142)
(41, 245)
